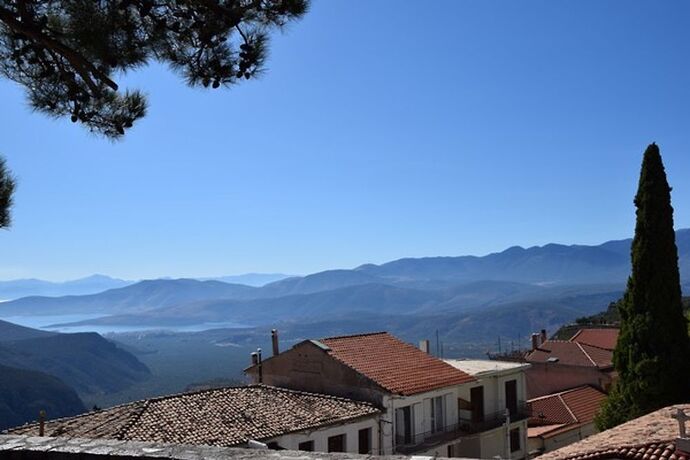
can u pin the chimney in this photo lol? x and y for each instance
(683, 440)
(535, 341)
(41, 423)
(255, 358)
(274, 340)
(543, 336)
(424, 345)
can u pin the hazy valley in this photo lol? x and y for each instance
(163, 335)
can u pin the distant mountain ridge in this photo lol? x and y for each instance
(550, 264)
(141, 296)
(561, 276)
(16, 289)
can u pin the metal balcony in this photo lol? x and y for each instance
(493, 420)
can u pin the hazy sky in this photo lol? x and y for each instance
(382, 129)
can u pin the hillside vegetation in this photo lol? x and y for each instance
(24, 393)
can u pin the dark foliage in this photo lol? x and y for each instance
(7, 184)
(24, 393)
(651, 355)
(66, 52)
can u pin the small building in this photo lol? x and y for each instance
(559, 365)
(660, 435)
(421, 396)
(562, 418)
(232, 417)
(493, 408)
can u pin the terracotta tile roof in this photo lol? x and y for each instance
(600, 338)
(652, 435)
(650, 451)
(565, 410)
(218, 417)
(396, 366)
(572, 353)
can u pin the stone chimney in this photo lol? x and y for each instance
(424, 345)
(535, 341)
(543, 337)
(274, 341)
(683, 440)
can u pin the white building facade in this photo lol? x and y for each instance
(493, 409)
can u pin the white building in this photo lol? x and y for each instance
(423, 399)
(493, 409)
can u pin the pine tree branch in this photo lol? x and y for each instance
(84, 68)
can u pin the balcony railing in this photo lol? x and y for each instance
(493, 420)
(427, 440)
(422, 441)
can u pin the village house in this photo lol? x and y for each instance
(256, 415)
(660, 435)
(493, 409)
(562, 418)
(421, 396)
(584, 359)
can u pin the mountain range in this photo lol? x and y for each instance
(544, 285)
(15, 289)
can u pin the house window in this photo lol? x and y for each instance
(511, 397)
(365, 441)
(307, 446)
(336, 443)
(404, 425)
(477, 404)
(451, 451)
(437, 414)
(515, 440)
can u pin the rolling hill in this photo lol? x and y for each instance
(86, 362)
(24, 393)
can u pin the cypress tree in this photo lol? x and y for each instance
(652, 356)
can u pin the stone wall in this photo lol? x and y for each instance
(45, 448)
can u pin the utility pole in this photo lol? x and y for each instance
(507, 425)
(438, 346)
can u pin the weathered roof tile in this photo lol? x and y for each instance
(393, 364)
(218, 417)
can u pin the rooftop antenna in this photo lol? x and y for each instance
(261, 371)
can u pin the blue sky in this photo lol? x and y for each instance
(382, 129)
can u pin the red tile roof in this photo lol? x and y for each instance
(650, 437)
(219, 417)
(396, 366)
(565, 410)
(600, 338)
(572, 353)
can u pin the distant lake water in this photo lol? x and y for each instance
(42, 322)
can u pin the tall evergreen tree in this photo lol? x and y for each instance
(652, 355)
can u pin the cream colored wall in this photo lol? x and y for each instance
(320, 436)
(494, 443)
(494, 391)
(422, 422)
